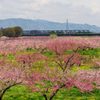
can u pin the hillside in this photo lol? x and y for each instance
(28, 24)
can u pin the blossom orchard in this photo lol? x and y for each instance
(13, 46)
(64, 61)
(49, 79)
(69, 60)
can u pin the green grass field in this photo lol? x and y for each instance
(20, 92)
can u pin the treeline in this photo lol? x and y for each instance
(60, 33)
(72, 32)
(11, 31)
(85, 34)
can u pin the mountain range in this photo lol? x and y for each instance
(28, 24)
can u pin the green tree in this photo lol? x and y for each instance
(52, 32)
(10, 32)
(18, 31)
(1, 33)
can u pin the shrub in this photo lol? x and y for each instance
(53, 36)
(1, 34)
(10, 32)
(18, 31)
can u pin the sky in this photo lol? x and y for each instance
(76, 11)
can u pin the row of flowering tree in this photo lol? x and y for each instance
(11, 46)
(49, 80)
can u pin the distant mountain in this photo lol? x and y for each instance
(28, 24)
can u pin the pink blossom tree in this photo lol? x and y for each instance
(49, 81)
(66, 61)
(27, 60)
(10, 76)
(87, 80)
(60, 46)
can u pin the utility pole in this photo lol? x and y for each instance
(67, 28)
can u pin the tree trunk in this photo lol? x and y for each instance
(45, 96)
(56, 92)
(2, 93)
(0, 98)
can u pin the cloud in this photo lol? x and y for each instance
(77, 11)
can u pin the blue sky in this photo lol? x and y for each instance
(76, 11)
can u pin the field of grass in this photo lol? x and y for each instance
(22, 93)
